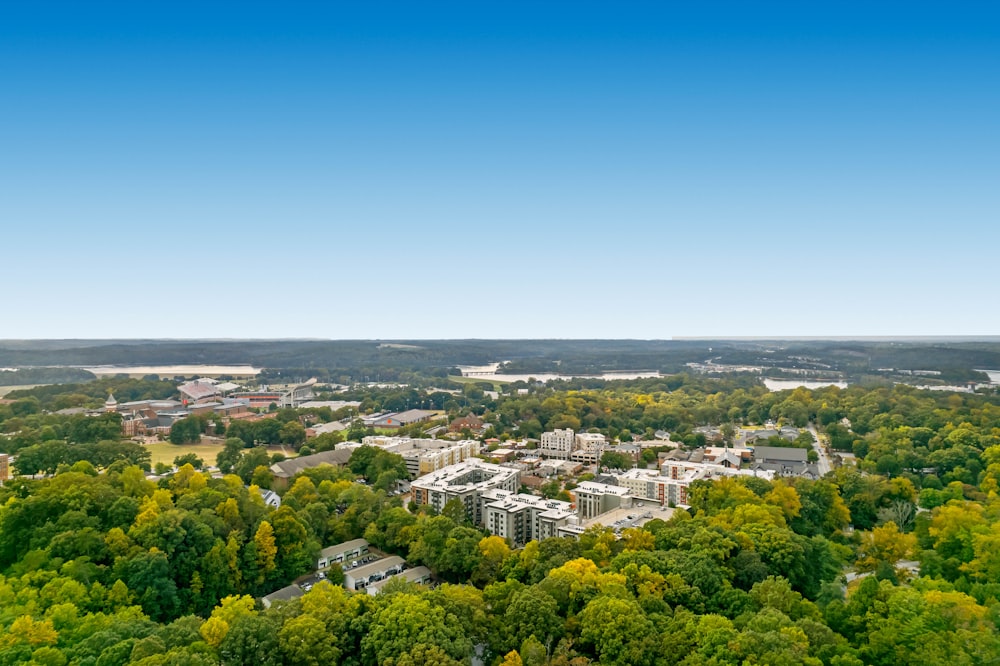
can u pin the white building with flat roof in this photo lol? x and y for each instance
(424, 456)
(558, 444)
(589, 447)
(521, 518)
(670, 484)
(467, 481)
(593, 499)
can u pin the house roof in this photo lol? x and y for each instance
(341, 547)
(284, 594)
(291, 467)
(375, 567)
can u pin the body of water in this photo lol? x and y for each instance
(784, 384)
(994, 375)
(488, 373)
(175, 370)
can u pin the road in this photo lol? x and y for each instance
(824, 464)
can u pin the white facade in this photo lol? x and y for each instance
(521, 518)
(670, 485)
(558, 444)
(589, 447)
(468, 482)
(424, 456)
(593, 499)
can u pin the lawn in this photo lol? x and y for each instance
(497, 383)
(4, 390)
(165, 452)
(207, 450)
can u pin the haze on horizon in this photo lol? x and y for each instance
(395, 171)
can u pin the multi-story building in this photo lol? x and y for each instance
(521, 518)
(4, 467)
(593, 499)
(670, 485)
(558, 444)
(468, 482)
(588, 447)
(424, 456)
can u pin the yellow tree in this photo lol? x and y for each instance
(267, 550)
(884, 544)
(512, 658)
(786, 498)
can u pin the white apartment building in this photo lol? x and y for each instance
(593, 499)
(670, 486)
(588, 447)
(558, 444)
(521, 518)
(424, 456)
(466, 481)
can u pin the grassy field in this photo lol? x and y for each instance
(165, 452)
(4, 390)
(497, 384)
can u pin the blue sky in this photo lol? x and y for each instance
(487, 169)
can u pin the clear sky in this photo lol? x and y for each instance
(499, 169)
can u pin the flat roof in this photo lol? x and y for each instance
(594, 487)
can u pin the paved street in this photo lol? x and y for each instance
(824, 464)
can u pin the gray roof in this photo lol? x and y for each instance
(404, 418)
(415, 573)
(341, 547)
(375, 567)
(291, 467)
(773, 453)
(284, 594)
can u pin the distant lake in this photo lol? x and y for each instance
(174, 370)
(784, 384)
(488, 373)
(993, 374)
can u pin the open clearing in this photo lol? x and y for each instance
(4, 390)
(165, 452)
(207, 450)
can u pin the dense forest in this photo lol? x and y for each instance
(102, 566)
(354, 360)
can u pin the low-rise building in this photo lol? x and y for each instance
(324, 428)
(286, 469)
(363, 576)
(342, 552)
(420, 575)
(402, 419)
(783, 461)
(284, 594)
